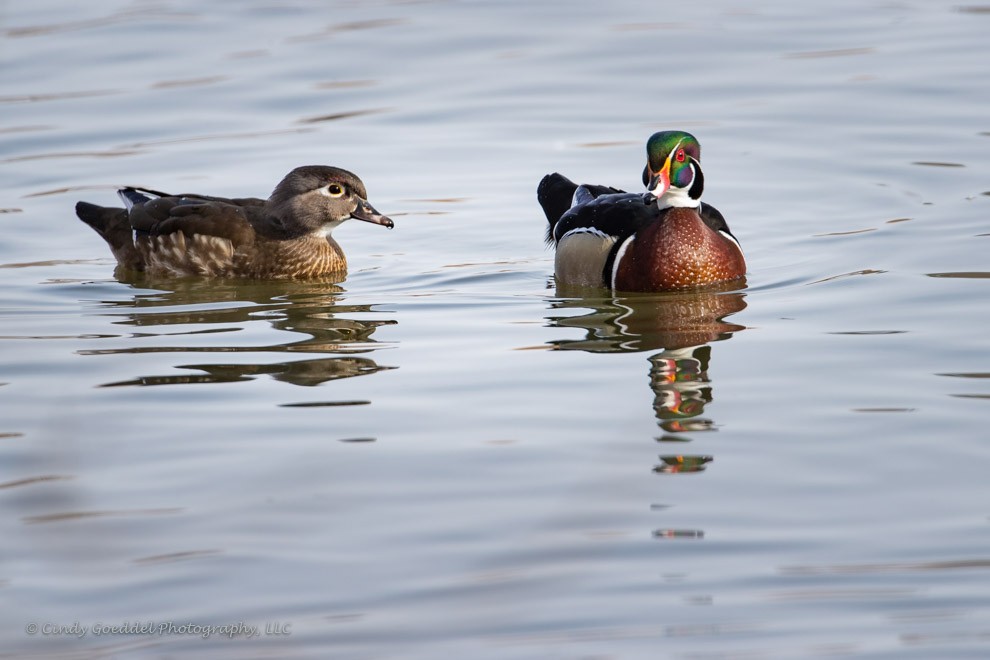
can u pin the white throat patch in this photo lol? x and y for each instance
(328, 228)
(677, 197)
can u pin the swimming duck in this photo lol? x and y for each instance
(285, 236)
(663, 240)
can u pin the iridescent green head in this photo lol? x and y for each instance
(673, 168)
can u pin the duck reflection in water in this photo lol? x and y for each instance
(312, 310)
(680, 327)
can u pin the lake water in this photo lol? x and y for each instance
(443, 456)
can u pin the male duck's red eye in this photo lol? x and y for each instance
(680, 156)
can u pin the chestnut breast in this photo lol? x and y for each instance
(678, 251)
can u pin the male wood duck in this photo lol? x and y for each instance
(285, 236)
(666, 239)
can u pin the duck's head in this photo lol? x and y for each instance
(316, 198)
(673, 169)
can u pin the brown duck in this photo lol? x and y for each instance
(285, 236)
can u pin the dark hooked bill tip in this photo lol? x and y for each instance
(367, 212)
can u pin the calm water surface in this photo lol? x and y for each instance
(443, 455)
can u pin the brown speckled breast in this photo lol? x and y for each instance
(678, 252)
(301, 258)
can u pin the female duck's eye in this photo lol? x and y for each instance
(680, 156)
(335, 190)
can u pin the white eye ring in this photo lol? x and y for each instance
(334, 190)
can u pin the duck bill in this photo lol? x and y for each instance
(660, 181)
(367, 213)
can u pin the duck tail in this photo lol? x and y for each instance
(114, 226)
(555, 194)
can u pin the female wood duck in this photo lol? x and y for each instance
(285, 236)
(666, 239)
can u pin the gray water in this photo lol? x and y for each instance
(442, 455)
